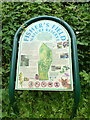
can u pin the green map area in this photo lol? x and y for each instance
(45, 62)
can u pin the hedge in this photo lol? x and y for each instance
(43, 104)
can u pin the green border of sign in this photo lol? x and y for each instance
(51, 89)
(75, 64)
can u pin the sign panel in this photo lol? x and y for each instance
(44, 58)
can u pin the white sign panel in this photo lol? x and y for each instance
(44, 58)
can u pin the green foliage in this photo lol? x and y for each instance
(39, 104)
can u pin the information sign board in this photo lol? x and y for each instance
(44, 58)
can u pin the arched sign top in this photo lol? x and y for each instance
(45, 29)
(44, 57)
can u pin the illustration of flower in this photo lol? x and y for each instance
(66, 74)
(20, 79)
(37, 77)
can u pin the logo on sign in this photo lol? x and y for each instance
(43, 84)
(37, 84)
(56, 84)
(50, 84)
(45, 26)
(30, 84)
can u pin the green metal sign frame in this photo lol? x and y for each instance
(75, 64)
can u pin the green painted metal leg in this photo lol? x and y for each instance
(76, 102)
(76, 93)
(13, 103)
(75, 76)
(15, 108)
(12, 77)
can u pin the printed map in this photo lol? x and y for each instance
(45, 62)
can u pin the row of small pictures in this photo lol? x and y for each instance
(43, 84)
